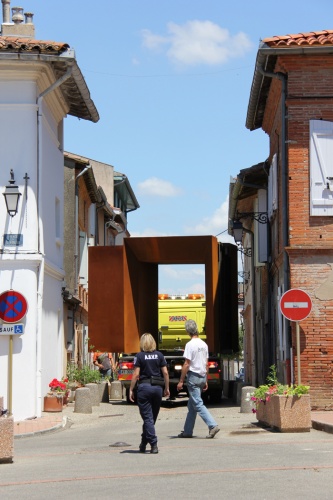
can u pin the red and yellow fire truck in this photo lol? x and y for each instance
(173, 311)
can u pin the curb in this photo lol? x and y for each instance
(321, 426)
(61, 425)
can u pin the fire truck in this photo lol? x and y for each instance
(173, 312)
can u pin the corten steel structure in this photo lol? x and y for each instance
(123, 290)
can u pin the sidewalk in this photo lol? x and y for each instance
(49, 422)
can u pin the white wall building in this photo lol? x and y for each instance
(40, 83)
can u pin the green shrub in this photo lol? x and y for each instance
(273, 387)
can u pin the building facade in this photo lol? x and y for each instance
(91, 188)
(40, 84)
(291, 100)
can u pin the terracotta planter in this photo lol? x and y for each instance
(53, 403)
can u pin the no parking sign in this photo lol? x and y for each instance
(13, 306)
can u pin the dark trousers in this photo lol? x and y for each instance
(149, 402)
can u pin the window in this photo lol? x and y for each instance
(321, 167)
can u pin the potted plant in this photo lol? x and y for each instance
(283, 407)
(56, 397)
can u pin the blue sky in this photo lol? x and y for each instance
(171, 80)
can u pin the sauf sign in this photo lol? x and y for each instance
(17, 329)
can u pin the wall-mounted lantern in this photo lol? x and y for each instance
(12, 196)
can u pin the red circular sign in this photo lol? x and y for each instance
(295, 304)
(13, 306)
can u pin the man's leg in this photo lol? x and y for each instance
(196, 400)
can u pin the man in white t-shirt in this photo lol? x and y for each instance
(195, 367)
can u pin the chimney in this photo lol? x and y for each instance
(17, 16)
(17, 27)
(6, 11)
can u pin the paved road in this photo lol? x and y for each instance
(97, 456)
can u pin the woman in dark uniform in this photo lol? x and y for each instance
(149, 363)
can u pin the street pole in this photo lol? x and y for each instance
(10, 376)
(298, 353)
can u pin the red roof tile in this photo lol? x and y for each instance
(317, 38)
(21, 44)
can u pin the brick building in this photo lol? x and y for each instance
(291, 99)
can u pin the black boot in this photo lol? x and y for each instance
(142, 447)
(154, 448)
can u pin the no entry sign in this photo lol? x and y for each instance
(13, 306)
(295, 304)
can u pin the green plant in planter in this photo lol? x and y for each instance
(82, 376)
(273, 387)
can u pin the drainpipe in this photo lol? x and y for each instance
(254, 347)
(76, 256)
(284, 192)
(40, 276)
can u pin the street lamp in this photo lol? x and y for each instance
(12, 196)
(237, 230)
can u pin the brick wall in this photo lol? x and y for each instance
(310, 81)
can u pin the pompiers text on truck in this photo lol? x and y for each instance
(173, 312)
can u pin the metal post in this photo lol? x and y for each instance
(10, 376)
(298, 354)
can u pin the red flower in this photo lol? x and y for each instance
(56, 385)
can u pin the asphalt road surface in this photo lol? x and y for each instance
(96, 456)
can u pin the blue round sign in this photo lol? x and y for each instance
(13, 306)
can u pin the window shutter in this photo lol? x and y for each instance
(92, 219)
(272, 188)
(321, 167)
(83, 272)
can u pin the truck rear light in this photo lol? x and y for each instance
(178, 367)
(213, 364)
(126, 365)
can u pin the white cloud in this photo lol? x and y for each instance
(215, 224)
(198, 42)
(158, 187)
(152, 41)
(181, 279)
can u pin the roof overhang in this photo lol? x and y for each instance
(60, 58)
(124, 190)
(266, 61)
(246, 184)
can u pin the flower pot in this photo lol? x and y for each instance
(265, 413)
(291, 413)
(7, 439)
(53, 403)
